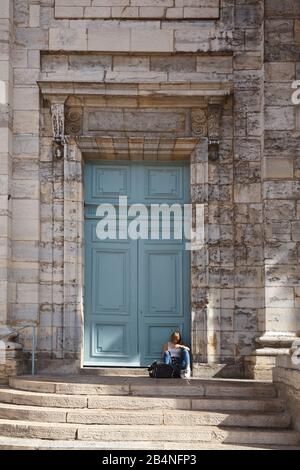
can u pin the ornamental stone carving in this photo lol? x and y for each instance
(73, 118)
(199, 122)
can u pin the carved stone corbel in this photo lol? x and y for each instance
(214, 129)
(214, 123)
(58, 122)
(57, 109)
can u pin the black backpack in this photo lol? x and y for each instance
(159, 370)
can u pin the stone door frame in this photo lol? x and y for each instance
(206, 103)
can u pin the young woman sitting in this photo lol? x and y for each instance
(176, 353)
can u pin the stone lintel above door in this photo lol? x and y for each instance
(137, 148)
(208, 92)
(144, 120)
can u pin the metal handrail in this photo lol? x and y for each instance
(33, 342)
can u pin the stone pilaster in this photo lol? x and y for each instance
(5, 154)
(9, 349)
(280, 188)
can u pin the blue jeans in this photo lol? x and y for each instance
(184, 359)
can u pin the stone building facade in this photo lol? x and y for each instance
(205, 81)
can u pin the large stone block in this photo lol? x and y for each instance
(245, 319)
(135, 121)
(5, 140)
(175, 63)
(152, 3)
(75, 3)
(71, 12)
(247, 193)
(247, 149)
(26, 99)
(32, 38)
(280, 297)
(283, 253)
(278, 95)
(287, 9)
(283, 275)
(280, 210)
(86, 63)
(281, 190)
(247, 61)
(27, 189)
(4, 71)
(125, 63)
(280, 71)
(249, 276)
(201, 12)
(297, 30)
(27, 293)
(26, 122)
(67, 39)
(278, 31)
(26, 145)
(278, 168)
(193, 40)
(279, 118)
(296, 231)
(215, 63)
(249, 297)
(283, 318)
(26, 77)
(196, 3)
(5, 9)
(151, 41)
(248, 16)
(109, 40)
(34, 16)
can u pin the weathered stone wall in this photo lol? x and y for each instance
(281, 185)
(286, 376)
(10, 358)
(141, 9)
(245, 282)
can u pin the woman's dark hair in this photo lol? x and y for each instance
(176, 333)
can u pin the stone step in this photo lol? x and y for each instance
(144, 417)
(11, 443)
(20, 397)
(143, 386)
(204, 404)
(115, 371)
(125, 433)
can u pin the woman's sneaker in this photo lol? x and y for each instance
(186, 373)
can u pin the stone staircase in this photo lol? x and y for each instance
(136, 412)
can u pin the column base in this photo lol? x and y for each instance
(260, 365)
(277, 340)
(213, 370)
(11, 357)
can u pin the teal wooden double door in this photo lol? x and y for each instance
(136, 290)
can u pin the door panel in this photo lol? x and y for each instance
(136, 291)
(164, 183)
(110, 301)
(163, 271)
(163, 295)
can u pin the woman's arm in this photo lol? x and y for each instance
(182, 346)
(165, 347)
